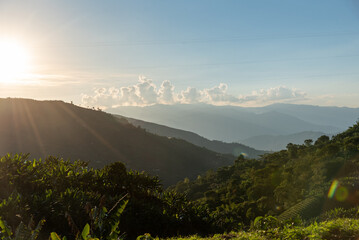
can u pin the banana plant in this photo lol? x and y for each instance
(22, 232)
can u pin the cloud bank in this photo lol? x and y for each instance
(145, 93)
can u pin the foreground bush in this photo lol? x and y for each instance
(69, 195)
(342, 228)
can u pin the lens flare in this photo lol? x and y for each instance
(333, 188)
(341, 194)
(238, 152)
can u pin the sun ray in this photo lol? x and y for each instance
(35, 130)
(94, 132)
(14, 61)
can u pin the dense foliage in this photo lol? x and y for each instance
(70, 195)
(337, 229)
(288, 183)
(307, 191)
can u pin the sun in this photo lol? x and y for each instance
(14, 61)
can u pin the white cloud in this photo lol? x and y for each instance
(102, 98)
(190, 95)
(145, 93)
(128, 96)
(166, 93)
(275, 94)
(218, 95)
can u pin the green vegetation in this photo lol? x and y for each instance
(308, 191)
(341, 228)
(290, 183)
(113, 201)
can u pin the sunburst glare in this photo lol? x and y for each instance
(14, 61)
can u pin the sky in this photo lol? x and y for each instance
(142, 52)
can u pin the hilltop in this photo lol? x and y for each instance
(44, 128)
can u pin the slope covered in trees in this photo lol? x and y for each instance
(44, 128)
(278, 196)
(66, 196)
(304, 180)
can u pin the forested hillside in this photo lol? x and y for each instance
(44, 128)
(307, 191)
(292, 182)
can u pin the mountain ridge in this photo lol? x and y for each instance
(328, 115)
(224, 123)
(235, 149)
(56, 128)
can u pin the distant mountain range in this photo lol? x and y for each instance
(239, 124)
(340, 117)
(44, 128)
(218, 146)
(276, 143)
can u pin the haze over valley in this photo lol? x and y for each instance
(266, 128)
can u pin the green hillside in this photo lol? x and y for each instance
(290, 183)
(308, 191)
(338, 229)
(56, 128)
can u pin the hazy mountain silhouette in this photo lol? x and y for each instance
(276, 143)
(218, 146)
(225, 123)
(340, 117)
(44, 128)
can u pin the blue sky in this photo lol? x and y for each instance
(220, 52)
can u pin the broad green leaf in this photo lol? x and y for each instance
(86, 232)
(54, 236)
(257, 220)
